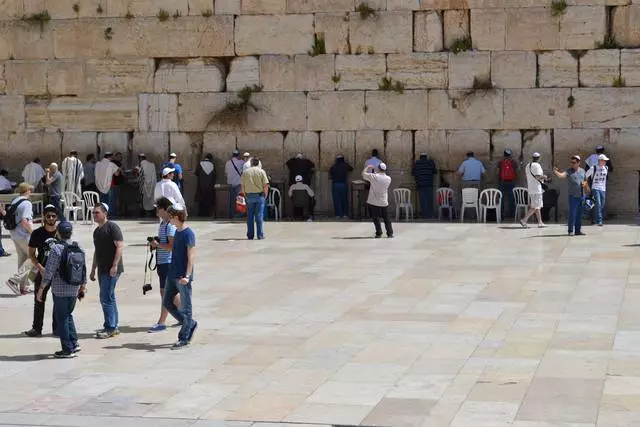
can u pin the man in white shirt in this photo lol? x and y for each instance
(166, 187)
(233, 170)
(298, 211)
(33, 173)
(247, 161)
(23, 216)
(374, 160)
(378, 199)
(535, 177)
(72, 174)
(104, 173)
(597, 178)
(5, 185)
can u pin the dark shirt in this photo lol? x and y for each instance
(339, 172)
(424, 172)
(117, 179)
(38, 241)
(182, 241)
(302, 167)
(575, 178)
(103, 241)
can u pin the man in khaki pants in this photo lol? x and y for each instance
(23, 214)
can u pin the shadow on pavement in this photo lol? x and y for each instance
(353, 238)
(26, 358)
(548, 235)
(139, 346)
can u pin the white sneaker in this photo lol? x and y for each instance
(15, 287)
(310, 220)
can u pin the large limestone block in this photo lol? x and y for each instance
(314, 73)
(188, 148)
(479, 109)
(21, 40)
(26, 77)
(557, 68)
(624, 25)
(389, 110)
(193, 75)
(536, 108)
(336, 110)
(266, 7)
(82, 142)
(277, 73)
(506, 139)
(84, 114)
(568, 142)
(277, 34)
(18, 148)
(85, 38)
(66, 77)
(3, 81)
(333, 144)
(309, 6)
(116, 142)
(537, 141)
(119, 76)
(244, 71)
(196, 110)
(227, 7)
(268, 146)
(158, 112)
(366, 141)
(190, 37)
(513, 69)
(12, 9)
(456, 26)
(606, 107)
(403, 4)
(155, 145)
(198, 7)
(399, 152)
(387, 32)
(444, 4)
(434, 144)
(12, 113)
(306, 143)
(468, 67)
(630, 66)
(139, 8)
(360, 71)
(623, 149)
(427, 28)
(220, 145)
(488, 28)
(599, 67)
(334, 27)
(420, 70)
(462, 141)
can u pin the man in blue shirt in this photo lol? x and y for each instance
(471, 171)
(181, 276)
(177, 176)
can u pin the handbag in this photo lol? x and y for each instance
(544, 185)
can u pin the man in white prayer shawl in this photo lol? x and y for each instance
(147, 182)
(72, 174)
(33, 173)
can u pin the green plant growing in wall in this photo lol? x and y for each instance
(99, 10)
(370, 50)
(366, 11)
(207, 13)
(236, 113)
(571, 101)
(609, 42)
(40, 18)
(336, 78)
(76, 8)
(558, 7)
(177, 14)
(162, 15)
(129, 15)
(463, 44)
(387, 84)
(619, 82)
(108, 33)
(318, 47)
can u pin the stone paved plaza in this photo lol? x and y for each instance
(462, 325)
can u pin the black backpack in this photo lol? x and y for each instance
(73, 267)
(9, 219)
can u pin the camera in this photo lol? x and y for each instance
(152, 238)
(146, 288)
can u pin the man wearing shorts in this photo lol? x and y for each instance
(535, 177)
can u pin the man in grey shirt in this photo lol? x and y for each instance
(53, 180)
(576, 181)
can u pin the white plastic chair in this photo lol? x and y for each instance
(491, 198)
(91, 199)
(444, 197)
(469, 201)
(72, 205)
(275, 203)
(402, 197)
(521, 197)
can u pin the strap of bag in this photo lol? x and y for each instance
(236, 168)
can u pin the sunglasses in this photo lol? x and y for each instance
(51, 216)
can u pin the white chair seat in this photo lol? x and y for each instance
(444, 198)
(402, 197)
(469, 201)
(274, 202)
(491, 198)
(91, 199)
(73, 205)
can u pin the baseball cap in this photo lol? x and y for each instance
(298, 178)
(536, 154)
(382, 166)
(235, 152)
(65, 227)
(50, 208)
(167, 171)
(507, 152)
(246, 154)
(603, 157)
(576, 157)
(108, 153)
(172, 155)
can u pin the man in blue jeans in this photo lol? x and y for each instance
(597, 178)
(339, 174)
(107, 259)
(424, 171)
(181, 276)
(575, 177)
(255, 186)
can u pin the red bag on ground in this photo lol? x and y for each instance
(241, 204)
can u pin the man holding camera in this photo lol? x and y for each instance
(163, 245)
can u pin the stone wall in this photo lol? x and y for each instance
(149, 76)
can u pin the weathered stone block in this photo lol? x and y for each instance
(468, 67)
(116, 142)
(387, 32)
(66, 77)
(434, 144)
(268, 146)
(568, 142)
(82, 142)
(198, 7)
(420, 70)
(63, 9)
(155, 145)
(462, 141)
(444, 4)
(334, 143)
(536, 108)
(3, 81)
(90, 114)
(188, 147)
(227, 7)
(399, 152)
(477, 109)
(557, 68)
(158, 112)
(630, 66)
(193, 75)
(220, 145)
(278, 34)
(12, 113)
(537, 141)
(606, 107)
(113, 76)
(307, 143)
(190, 37)
(83, 39)
(195, 110)
(277, 73)
(403, 4)
(366, 141)
(334, 27)
(599, 67)
(624, 25)
(12, 9)
(513, 69)
(313, 73)
(360, 71)
(244, 71)
(309, 6)
(26, 77)
(503, 139)
(17, 148)
(390, 110)
(267, 7)
(456, 26)
(623, 149)
(488, 28)
(428, 31)
(335, 110)
(22, 40)
(138, 8)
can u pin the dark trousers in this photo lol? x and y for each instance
(378, 212)
(299, 211)
(339, 193)
(425, 194)
(63, 310)
(507, 198)
(38, 307)
(574, 222)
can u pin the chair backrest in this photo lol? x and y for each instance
(444, 197)
(521, 195)
(91, 199)
(300, 198)
(402, 196)
(272, 196)
(469, 196)
(491, 197)
(70, 198)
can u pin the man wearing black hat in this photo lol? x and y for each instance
(206, 186)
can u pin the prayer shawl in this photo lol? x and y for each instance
(147, 183)
(32, 174)
(72, 174)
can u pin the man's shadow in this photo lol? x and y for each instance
(139, 346)
(25, 358)
(354, 238)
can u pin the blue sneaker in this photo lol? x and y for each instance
(192, 331)
(158, 327)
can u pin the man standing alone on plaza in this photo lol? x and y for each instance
(378, 199)
(233, 171)
(255, 186)
(576, 181)
(424, 171)
(535, 177)
(597, 177)
(107, 259)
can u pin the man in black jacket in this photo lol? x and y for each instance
(424, 171)
(339, 174)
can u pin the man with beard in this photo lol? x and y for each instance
(40, 244)
(72, 174)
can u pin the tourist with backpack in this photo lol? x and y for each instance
(597, 179)
(19, 221)
(507, 175)
(66, 273)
